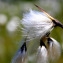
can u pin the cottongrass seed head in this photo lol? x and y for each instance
(42, 55)
(48, 53)
(36, 24)
(54, 50)
(21, 55)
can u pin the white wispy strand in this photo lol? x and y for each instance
(36, 24)
(42, 55)
(20, 57)
(54, 50)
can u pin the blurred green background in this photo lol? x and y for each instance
(11, 12)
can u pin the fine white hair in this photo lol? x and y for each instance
(54, 50)
(21, 56)
(36, 24)
(42, 55)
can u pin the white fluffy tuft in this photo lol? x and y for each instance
(36, 24)
(42, 55)
(54, 50)
(20, 57)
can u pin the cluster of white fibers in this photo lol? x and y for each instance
(21, 55)
(36, 24)
(42, 55)
(19, 58)
(54, 50)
